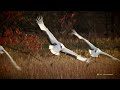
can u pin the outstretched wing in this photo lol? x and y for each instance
(14, 63)
(40, 22)
(109, 55)
(80, 37)
(70, 52)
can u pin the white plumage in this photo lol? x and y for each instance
(2, 50)
(94, 51)
(56, 47)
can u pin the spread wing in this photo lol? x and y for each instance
(40, 22)
(109, 55)
(14, 63)
(80, 37)
(70, 52)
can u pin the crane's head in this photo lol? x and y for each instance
(62, 46)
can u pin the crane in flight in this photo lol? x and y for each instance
(56, 47)
(94, 51)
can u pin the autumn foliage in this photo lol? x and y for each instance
(19, 28)
(13, 36)
(16, 26)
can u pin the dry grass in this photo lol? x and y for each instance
(63, 67)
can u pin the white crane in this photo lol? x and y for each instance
(94, 51)
(56, 47)
(2, 50)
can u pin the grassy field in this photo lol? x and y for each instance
(64, 67)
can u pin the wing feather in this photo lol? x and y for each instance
(42, 26)
(70, 52)
(109, 55)
(80, 37)
(14, 63)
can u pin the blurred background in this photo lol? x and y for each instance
(102, 23)
(27, 44)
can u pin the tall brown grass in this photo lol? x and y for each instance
(50, 66)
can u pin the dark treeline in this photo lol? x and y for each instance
(102, 23)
